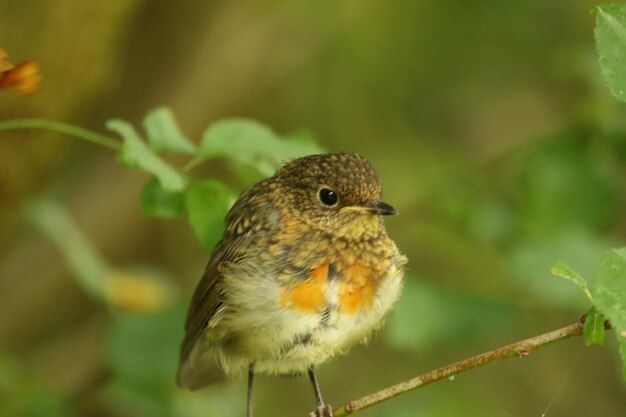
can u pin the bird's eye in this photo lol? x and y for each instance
(328, 197)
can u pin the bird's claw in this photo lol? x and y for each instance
(322, 411)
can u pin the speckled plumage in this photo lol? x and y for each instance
(294, 281)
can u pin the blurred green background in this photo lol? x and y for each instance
(489, 125)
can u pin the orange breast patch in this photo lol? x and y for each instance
(358, 286)
(357, 289)
(308, 296)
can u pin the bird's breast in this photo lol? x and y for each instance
(349, 289)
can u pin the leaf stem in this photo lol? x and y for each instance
(518, 349)
(194, 162)
(60, 127)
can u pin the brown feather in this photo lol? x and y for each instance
(207, 298)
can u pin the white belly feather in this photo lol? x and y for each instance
(282, 340)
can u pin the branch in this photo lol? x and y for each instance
(518, 349)
(60, 127)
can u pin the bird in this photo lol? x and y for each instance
(305, 270)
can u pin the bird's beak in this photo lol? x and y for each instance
(380, 208)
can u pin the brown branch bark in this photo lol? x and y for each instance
(519, 349)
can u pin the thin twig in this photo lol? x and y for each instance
(60, 127)
(519, 349)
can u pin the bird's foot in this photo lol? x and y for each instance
(322, 411)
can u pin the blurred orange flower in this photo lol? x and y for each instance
(134, 292)
(23, 77)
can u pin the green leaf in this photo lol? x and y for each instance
(141, 351)
(136, 154)
(251, 143)
(302, 135)
(208, 202)
(164, 135)
(609, 292)
(156, 202)
(144, 347)
(561, 269)
(610, 34)
(593, 329)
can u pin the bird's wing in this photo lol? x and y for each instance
(207, 298)
(205, 302)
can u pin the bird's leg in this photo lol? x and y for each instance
(322, 409)
(250, 381)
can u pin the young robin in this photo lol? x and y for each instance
(305, 270)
